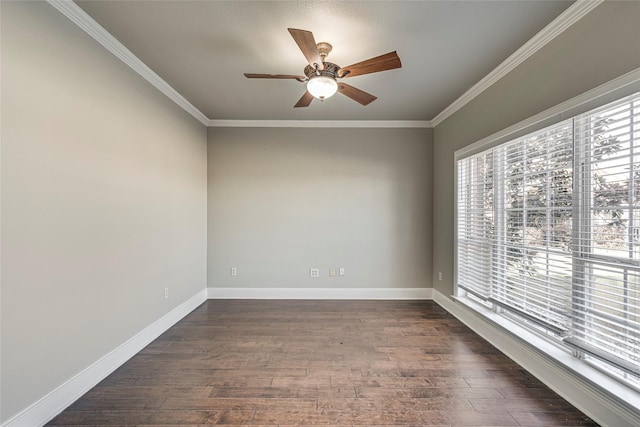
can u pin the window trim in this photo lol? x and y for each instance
(625, 393)
(620, 87)
(598, 321)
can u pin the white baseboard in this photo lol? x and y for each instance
(321, 293)
(57, 400)
(593, 401)
(558, 370)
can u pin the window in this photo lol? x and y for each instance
(549, 233)
(606, 296)
(475, 224)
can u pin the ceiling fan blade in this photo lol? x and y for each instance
(307, 45)
(357, 95)
(305, 101)
(274, 76)
(388, 61)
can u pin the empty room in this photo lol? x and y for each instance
(320, 213)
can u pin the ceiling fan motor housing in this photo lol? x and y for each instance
(330, 70)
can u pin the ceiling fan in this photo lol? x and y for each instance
(321, 76)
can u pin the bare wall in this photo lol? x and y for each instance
(282, 201)
(603, 45)
(103, 203)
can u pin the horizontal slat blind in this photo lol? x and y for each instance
(534, 272)
(606, 301)
(475, 225)
(549, 230)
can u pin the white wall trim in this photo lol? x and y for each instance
(560, 372)
(321, 123)
(101, 35)
(621, 86)
(90, 26)
(321, 293)
(57, 400)
(570, 16)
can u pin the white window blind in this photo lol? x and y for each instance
(606, 300)
(549, 230)
(475, 224)
(514, 225)
(534, 269)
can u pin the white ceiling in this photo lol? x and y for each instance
(202, 49)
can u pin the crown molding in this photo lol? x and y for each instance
(79, 17)
(570, 16)
(321, 123)
(619, 87)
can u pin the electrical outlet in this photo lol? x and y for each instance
(166, 293)
(341, 271)
(332, 272)
(234, 271)
(314, 272)
(439, 275)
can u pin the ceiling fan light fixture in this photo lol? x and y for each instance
(322, 86)
(321, 75)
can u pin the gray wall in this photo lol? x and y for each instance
(603, 45)
(103, 203)
(104, 191)
(284, 200)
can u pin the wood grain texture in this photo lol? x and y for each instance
(356, 94)
(274, 76)
(304, 101)
(307, 44)
(388, 61)
(320, 363)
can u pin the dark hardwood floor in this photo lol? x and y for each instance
(249, 362)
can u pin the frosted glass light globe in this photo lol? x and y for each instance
(322, 87)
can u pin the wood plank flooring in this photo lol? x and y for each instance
(324, 363)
